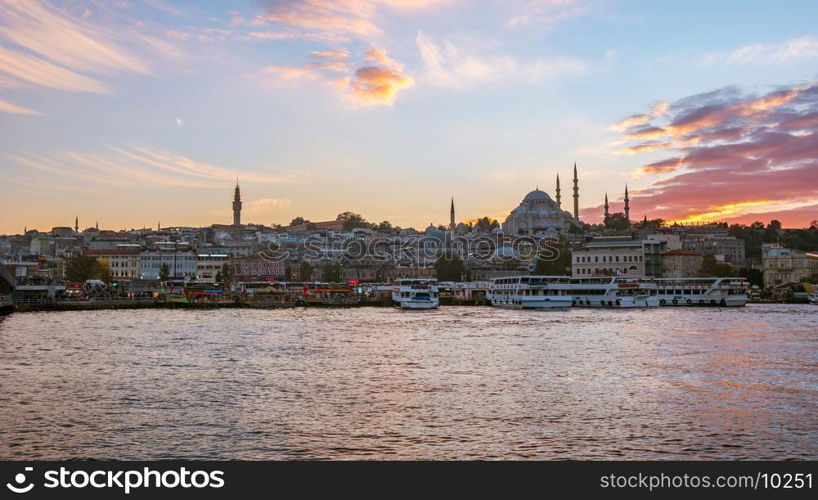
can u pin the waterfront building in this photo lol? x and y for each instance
(725, 247)
(609, 256)
(210, 264)
(257, 268)
(123, 262)
(787, 265)
(681, 263)
(181, 263)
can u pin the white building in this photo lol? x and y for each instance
(180, 263)
(613, 256)
(786, 265)
(123, 262)
(208, 265)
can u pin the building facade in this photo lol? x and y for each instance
(786, 265)
(122, 262)
(208, 265)
(180, 263)
(681, 264)
(609, 256)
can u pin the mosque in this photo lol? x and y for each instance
(539, 213)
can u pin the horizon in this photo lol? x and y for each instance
(133, 112)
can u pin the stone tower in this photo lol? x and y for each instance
(237, 206)
(559, 199)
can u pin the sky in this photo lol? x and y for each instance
(134, 113)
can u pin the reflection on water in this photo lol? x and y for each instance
(371, 383)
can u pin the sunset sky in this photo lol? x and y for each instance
(132, 112)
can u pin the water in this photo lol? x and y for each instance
(376, 383)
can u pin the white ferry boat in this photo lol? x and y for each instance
(529, 292)
(611, 292)
(730, 292)
(416, 293)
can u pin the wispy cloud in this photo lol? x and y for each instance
(47, 47)
(448, 64)
(763, 53)
(122, 166)
(7, 107)
(546, 12)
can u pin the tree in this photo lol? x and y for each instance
(384, 227)
(617, 222)
(219, 277)
(486, 225)
(298, 221)
(227, 273)
(331, 273)
(450, 267)
(772, 232)
(555, 262)
(711, 268)
(85, 267)
(306, 271)
(352, 220)
(164, 272)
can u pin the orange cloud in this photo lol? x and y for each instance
(373, 86)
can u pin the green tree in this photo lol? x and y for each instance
(219, 277)
(711, 268)
(352, 220)
(617, 222)
(164, 272)
(306, 271)
(384, 227)
(227, 273)
(450, 267)
(85, 267)
(556, 261)
(297, 221)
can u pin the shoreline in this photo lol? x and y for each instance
(106, 305)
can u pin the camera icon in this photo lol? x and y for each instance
(20, 479)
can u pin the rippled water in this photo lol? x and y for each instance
(377, 383)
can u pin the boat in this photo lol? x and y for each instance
(416, 293)
(530, 292)
(813, 298)
(724, 292)
(621, 293)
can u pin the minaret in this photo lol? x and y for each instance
(559, 200)
(76, 223)
(237, 205)
(97, 225)
(576, 194)
(451, 217)
(627, 206)
(607, 212)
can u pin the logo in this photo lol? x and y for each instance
(20, 478)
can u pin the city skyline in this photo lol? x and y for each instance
(132, 112)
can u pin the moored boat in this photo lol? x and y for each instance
(529, 292)
(724, 292)
(416, 293)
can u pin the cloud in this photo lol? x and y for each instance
(546, 12)
(47, 47)
(448, 65)
(7, 107)
(730, 152)
(800, 48)
(265, 206)
(120, 167)
(331, 54)
(373, 86)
